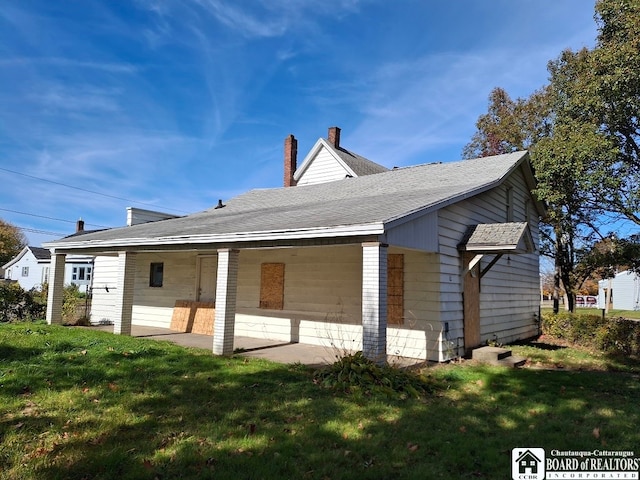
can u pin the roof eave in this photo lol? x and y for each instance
(408, 216)
(17, 258)
(376, 228)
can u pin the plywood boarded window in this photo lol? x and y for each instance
(395, 289)
(272, 286)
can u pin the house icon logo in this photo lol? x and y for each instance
(527, 464)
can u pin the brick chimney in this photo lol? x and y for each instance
(80, 226)
(334, 136)
(290, 160)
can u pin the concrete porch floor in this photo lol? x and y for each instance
(273, 350)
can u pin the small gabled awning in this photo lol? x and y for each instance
(499, 238)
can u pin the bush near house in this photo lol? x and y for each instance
(19, 304)
(611, 335)
(73, 311)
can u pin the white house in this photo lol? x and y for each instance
(625, 291)
(31, 267)
(426, 262)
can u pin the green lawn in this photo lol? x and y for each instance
(631, 314)
(80, 404)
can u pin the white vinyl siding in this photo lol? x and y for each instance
(420, 233)
(509, 292)
(323, 300)
(105, 279)
(322, 168)
(626, 291)
(27, 270)
(153, 306)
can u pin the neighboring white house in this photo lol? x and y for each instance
(625, 291)
(426, 262)
(31, 267)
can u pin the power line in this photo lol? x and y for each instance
(88, 191)
(41, 232)
(49, 218)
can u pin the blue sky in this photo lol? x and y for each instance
(173, 104)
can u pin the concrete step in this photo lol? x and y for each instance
(488, 354)
(512, 362)
(497, 356)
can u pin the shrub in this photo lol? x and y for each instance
(620, 335)
(19, 304)
(356, 372)
(611, 335)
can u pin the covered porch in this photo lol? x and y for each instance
(335, 296)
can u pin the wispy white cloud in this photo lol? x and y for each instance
(415, 109)
(110, 67)
(78, 99)
(276, 17)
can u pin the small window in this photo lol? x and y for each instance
(74, 273)
(156, 273)
(509, 204)
(88, 275)
(25, 271)
(272, 286)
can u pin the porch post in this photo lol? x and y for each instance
(124, 293)
(55, 296)
(374, 301)
(225, 311)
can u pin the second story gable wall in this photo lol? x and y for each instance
(322, 168)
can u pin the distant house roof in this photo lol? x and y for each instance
(41, 254)
(356, 206)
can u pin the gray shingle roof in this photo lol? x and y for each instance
(361, 166)
(40, 253)
(371, 199)
(497, 237)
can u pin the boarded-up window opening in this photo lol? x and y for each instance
(272, 286)
(395, 289)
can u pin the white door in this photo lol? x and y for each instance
(208, 269)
